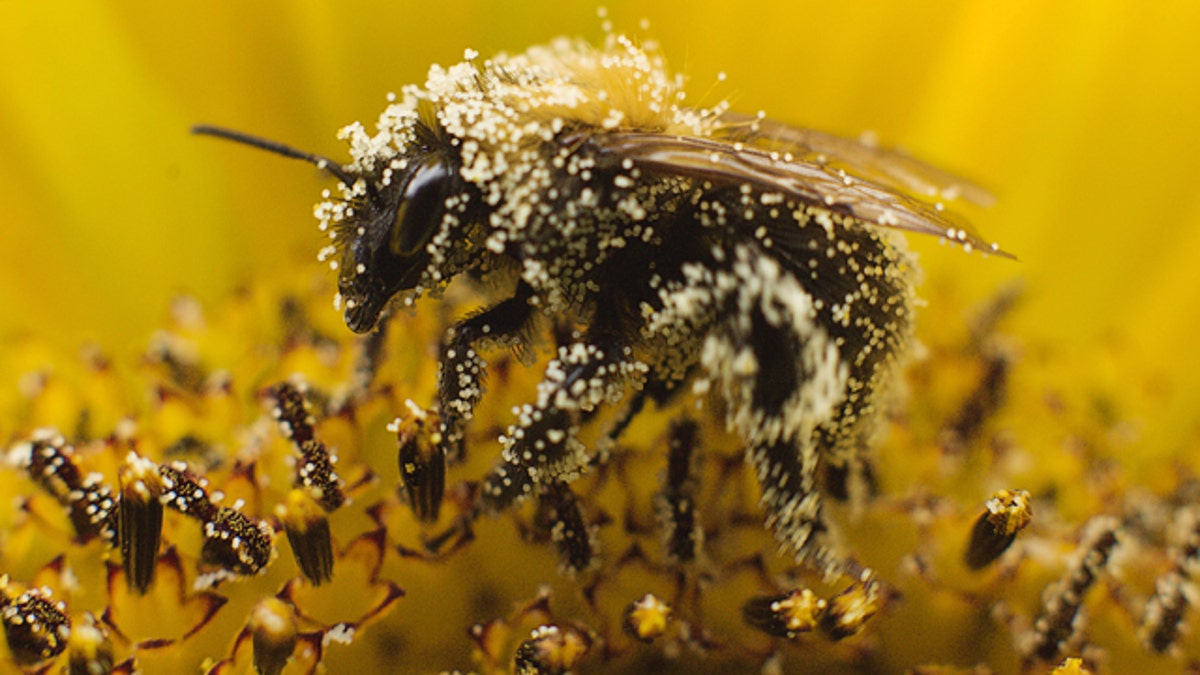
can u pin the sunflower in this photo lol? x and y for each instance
(1034, 502)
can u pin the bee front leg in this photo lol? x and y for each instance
(461, 370)
(542, 446)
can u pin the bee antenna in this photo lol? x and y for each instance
(322, 163)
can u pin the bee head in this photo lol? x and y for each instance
(384, 243)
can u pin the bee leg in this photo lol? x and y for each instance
(787, 473)
(461, 369)
(853, 481)
(542, 446)
(653, 389)
(675, 505)
(777, 366)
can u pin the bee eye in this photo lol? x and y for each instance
(420, 207)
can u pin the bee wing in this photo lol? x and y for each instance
(726, 161)
(887, 167)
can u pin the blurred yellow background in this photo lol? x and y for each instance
(1082, 116)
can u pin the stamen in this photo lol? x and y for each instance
(422, 461)
(1008, 512)
(141, 520)
(272, 626)
(646, 619)
(307, 531)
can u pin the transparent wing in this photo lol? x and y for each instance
(861, 158)
(740, 158)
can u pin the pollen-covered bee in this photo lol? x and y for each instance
(688, 247)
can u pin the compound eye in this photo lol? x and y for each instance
(420, 207)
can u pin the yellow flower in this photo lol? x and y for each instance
(1079, 116)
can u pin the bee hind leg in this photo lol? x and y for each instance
(787, 474)
(775, 362)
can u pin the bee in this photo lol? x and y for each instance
(685, 246)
